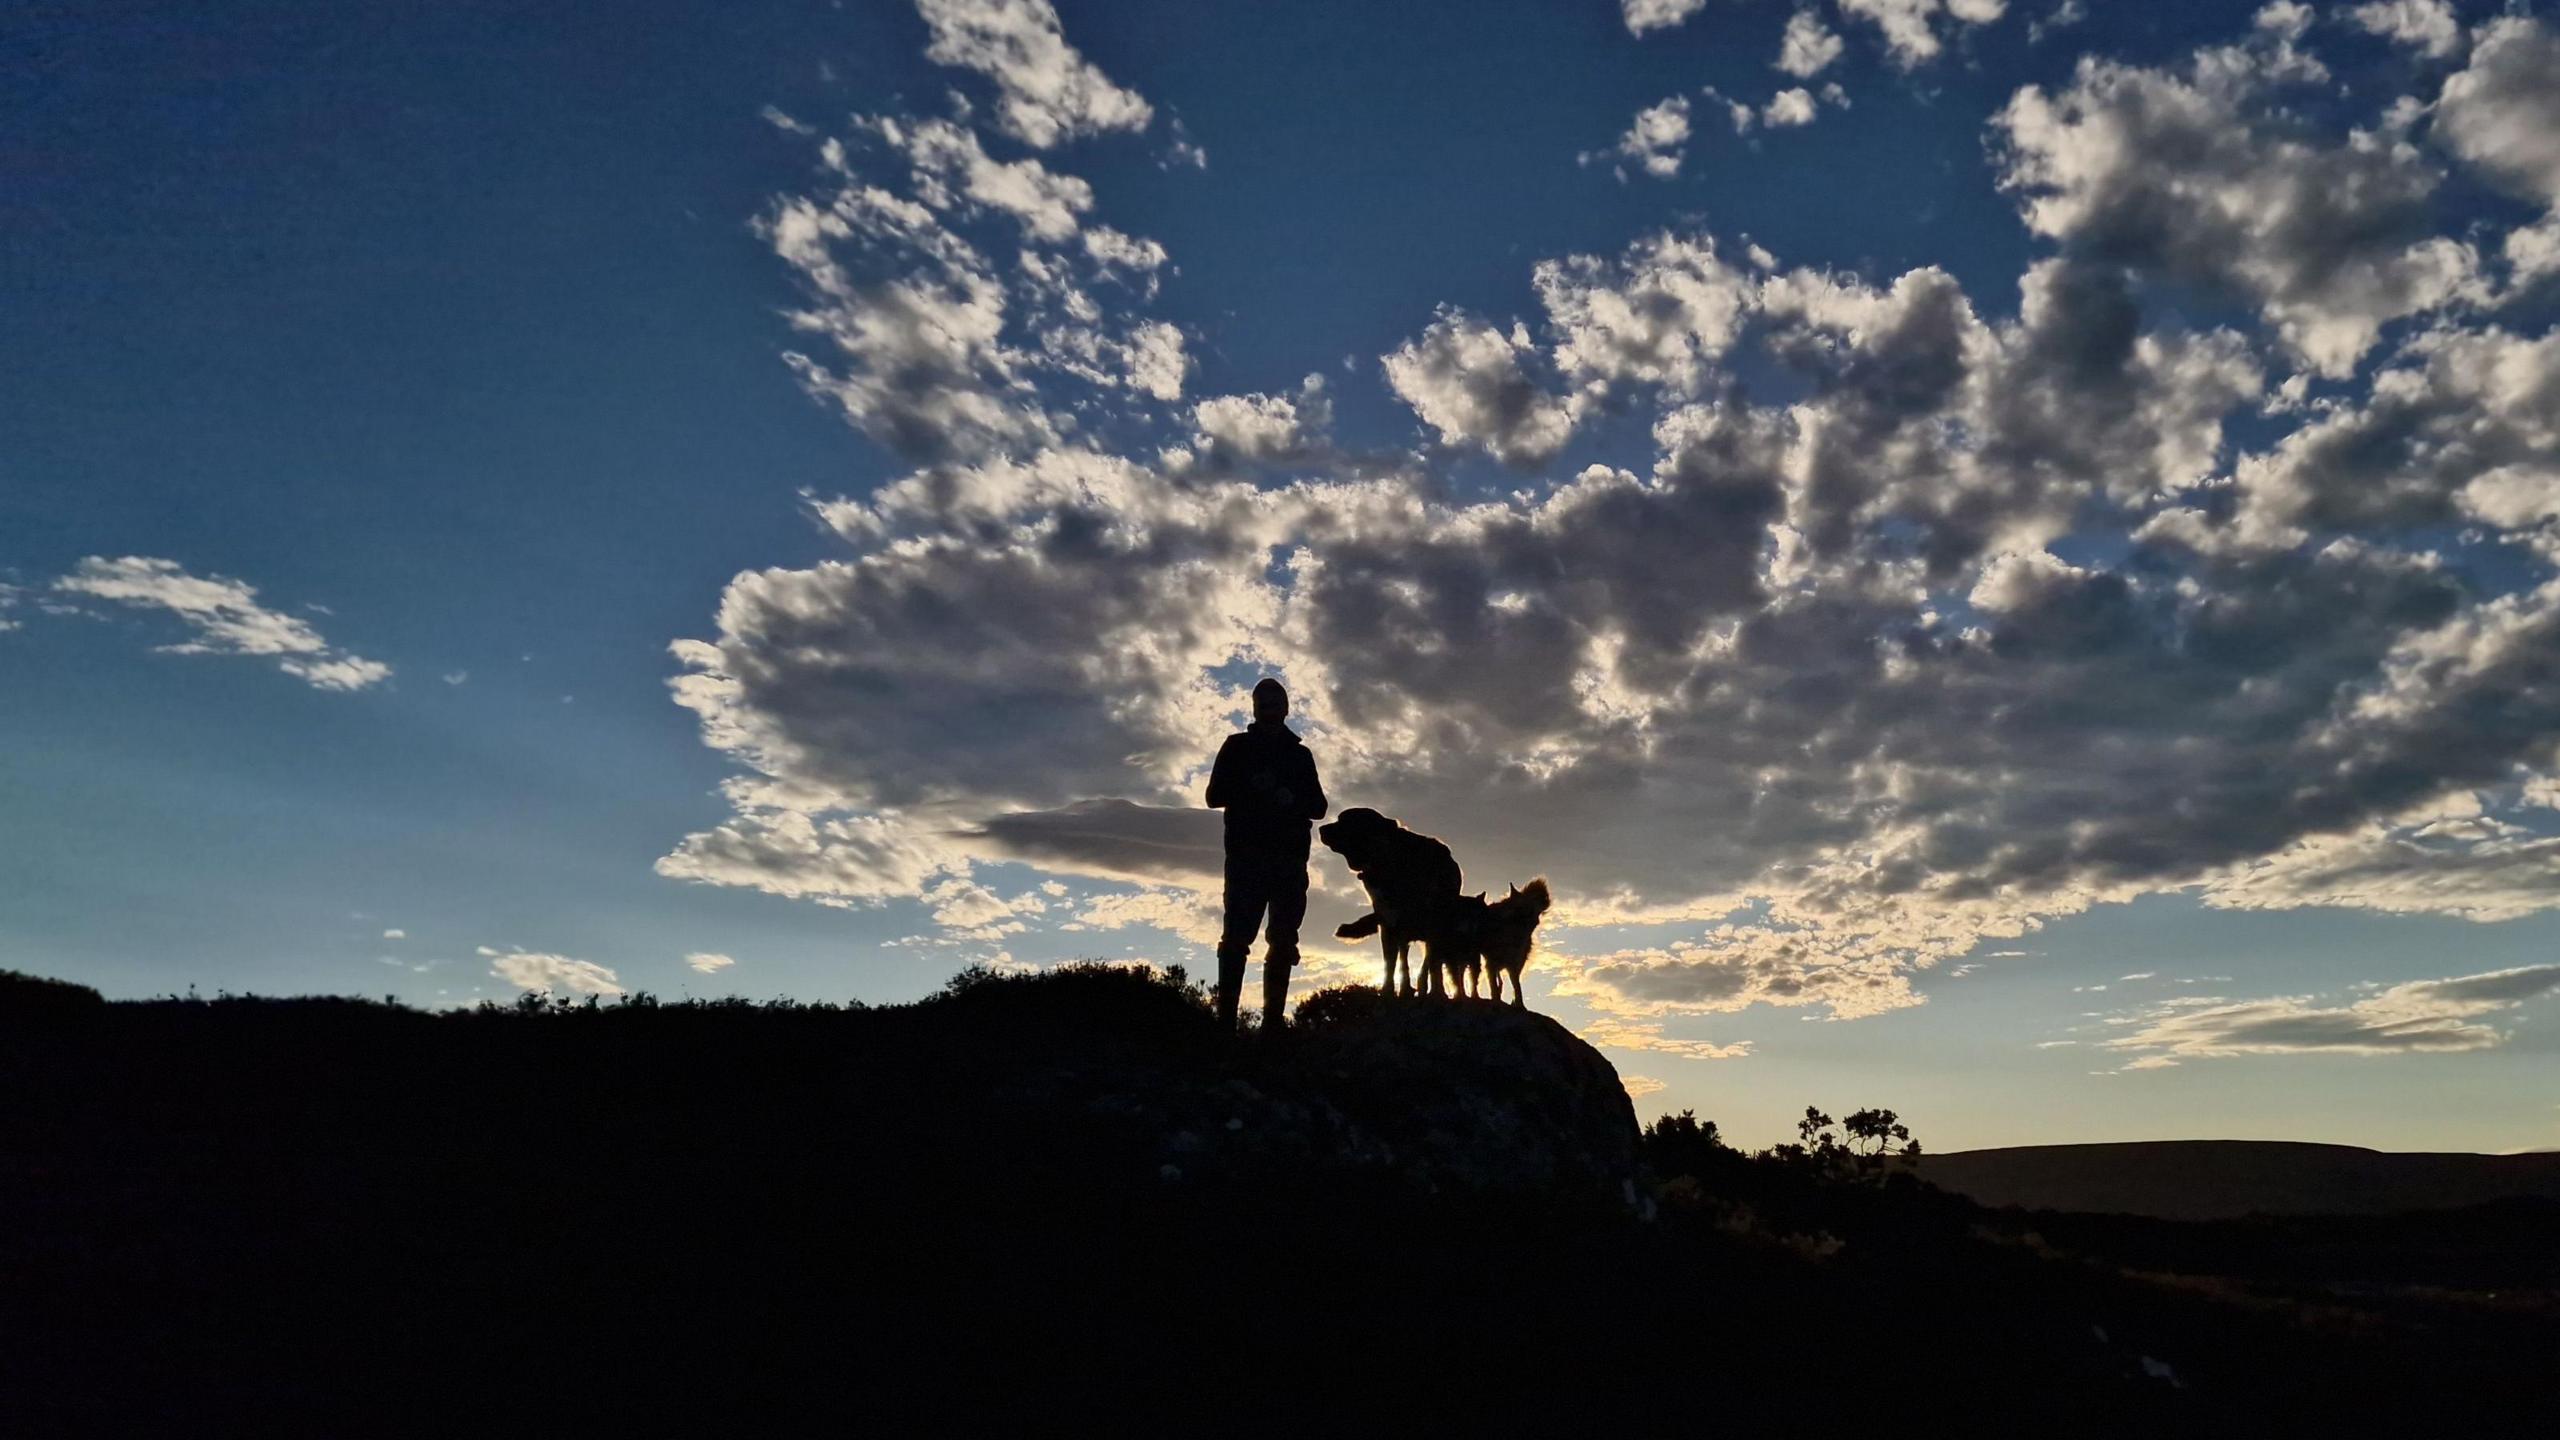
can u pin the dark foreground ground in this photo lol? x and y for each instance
(1042, 1202)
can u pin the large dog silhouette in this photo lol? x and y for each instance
(1412, 881)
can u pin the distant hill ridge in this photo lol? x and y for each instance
(2224, 1179)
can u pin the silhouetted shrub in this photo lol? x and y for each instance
(1864, 1147)
(34, 995)
(1340, 1005)
(1683, 1144)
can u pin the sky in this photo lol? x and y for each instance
(2004, 559)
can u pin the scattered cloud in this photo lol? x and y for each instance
(2421, 1016)
(1183, 152)
(1656, 143)
(709, 962)
(1231, 432)
(2199, 174)
(1046, 91)
(2064, 15)
(531, 970)
(1467, 380)
(1912, 29)
(1639, 1086)
(1808, 47)
(1788, 107)
(1612, 1034)
(2426, 26)
(2501, 115)
(225, 616)
(2014, 605)
(395, 934)
(1643, 16)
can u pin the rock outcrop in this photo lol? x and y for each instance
(1443, 1097)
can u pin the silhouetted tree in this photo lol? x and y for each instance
(1861, 1147)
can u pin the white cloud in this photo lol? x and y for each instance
(1155, 362)
(2064, 15)
(1657, 141)
(1633, 1035)
(709, 962)
(952, 168)
(1737, 966)
(531, 970)
(1232, 430)
(1658, 315)
(2426, 26)
(2501, 115)
(1639, 1086)
(395, 934)
(1812, 684)
(1648, 15)
(1047, 92)
(226, 618)
(1808, 47)
(2195, 177)
(1185, 914)
(2457, 430)
(1788, 107)
(1465, 379)
(927, 343)
(1183, 151)
(2419, 1017)
(1910, 28)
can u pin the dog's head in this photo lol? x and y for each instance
(1510, 924)
(1358, 835)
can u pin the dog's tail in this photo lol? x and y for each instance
(1361, 928)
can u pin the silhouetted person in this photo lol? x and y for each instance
(1265, 780)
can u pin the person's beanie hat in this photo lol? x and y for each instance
(1268, 689)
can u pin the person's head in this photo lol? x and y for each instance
(1270, 703)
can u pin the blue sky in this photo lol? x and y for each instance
(1908, 513)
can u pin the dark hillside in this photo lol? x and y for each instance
(2225, 1179)
(1039, 1201)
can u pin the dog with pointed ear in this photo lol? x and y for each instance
(1507, 931)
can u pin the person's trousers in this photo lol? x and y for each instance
(1266, 893)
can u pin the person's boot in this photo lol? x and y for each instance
(1275, 994)
(1230, 989)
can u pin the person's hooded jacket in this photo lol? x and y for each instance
(1265, 779)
